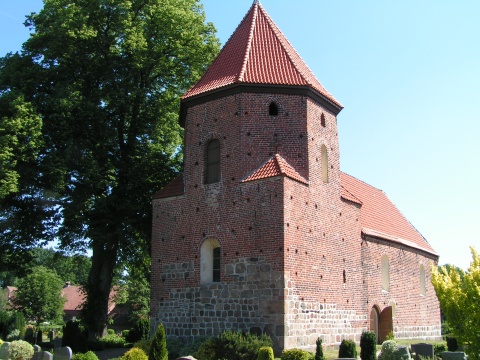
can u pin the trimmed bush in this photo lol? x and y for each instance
(20, 350)
(111, 341)
(265, 353)
(110, 332)
(135, 354)
(348, 349)
(389, 348)
(368, 346)
(319, 350)
(89, 355)
(295, 354)
(158, 351)
(144, 344)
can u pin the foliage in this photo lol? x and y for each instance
(39, 295)
(233, 345)
(89, 355)
(319, 350)
(135, 354)
(459, 294)
(13, 335)
(192, 348)
(144, 344)
(368, 346)
(12, 324)
(111, 341)
(390, 336)
(20, 350)
(158, 350)
(389, 350)
(74, 336)
(140, 330)
(452, 343)
(265, 353)
(20, 139)
(174, 347)
(439, 348)
(294, 354)
(106, 78)
(347, 349)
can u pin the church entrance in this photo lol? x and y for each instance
(374, 321)
(385, 324)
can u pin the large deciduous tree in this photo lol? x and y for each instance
(105, 77)
(459, 294)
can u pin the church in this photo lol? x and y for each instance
(263, 232)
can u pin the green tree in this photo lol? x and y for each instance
(459, 294)
(106, 77)
(158, 350)
(39, 295)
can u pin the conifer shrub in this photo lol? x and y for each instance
(265, 353)
(140, 330)
(89, 355)
(135, 354)
(295, 354)
(20, 350)
(368, 346)
(158, 350)
(348, 349)
(319, 350)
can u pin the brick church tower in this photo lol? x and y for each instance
(262, 232)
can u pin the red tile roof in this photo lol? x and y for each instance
(275, 166)
(380, 217)
(75, 298)
(174, 188)
(258, 53)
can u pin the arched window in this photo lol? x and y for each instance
(324, 164)
(212, 162)
(422, 280)
(273, 109)
(210, 261)
(385, 273)
(322, 120)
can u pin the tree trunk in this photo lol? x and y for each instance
(95, 310)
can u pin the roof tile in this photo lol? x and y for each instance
(258, 53)
(275, 166)
(174, 188)
(380, 217)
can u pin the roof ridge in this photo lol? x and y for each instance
(249, 42)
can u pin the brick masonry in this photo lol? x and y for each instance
(294, 262)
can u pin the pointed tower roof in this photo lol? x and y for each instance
(258, 53)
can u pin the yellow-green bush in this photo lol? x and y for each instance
(134, 354)
(265, 353)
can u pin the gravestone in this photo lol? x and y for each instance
(423, 350)
(4, 351)
(57, 342)
(403, 352)
(37, 353)
(454, 355)
(47, 355)
(63, 353)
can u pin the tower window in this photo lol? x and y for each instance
(322, 120)
(422, 280)
(273, 109)
(210, 263)
(324, 164)
(385, 273)
(212, 168)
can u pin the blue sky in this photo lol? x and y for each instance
(408, 74)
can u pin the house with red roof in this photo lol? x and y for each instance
(263, 232)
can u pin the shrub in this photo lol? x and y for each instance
(75, 337)
(140, 330)
(389, 348)
(368, 346)
(239, 346)
(265, 353)
(348, 349)
(439, 348)
(191, 349)
(295, 354)
(89, 355)
(111, 341)
(174, 347)
(110, 332)
(207, 349)
(13, 335)
(390, 336)
(452, 343)
(158, 351)
(319, 350)
(20, 350)
(135, 354)
(144, 344)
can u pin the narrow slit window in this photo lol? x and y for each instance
(422, 280)
(216, 264)
(385, 273)
(273, 109)
(210, 261)
(322, 120)
(324, 164)
(212, 170)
